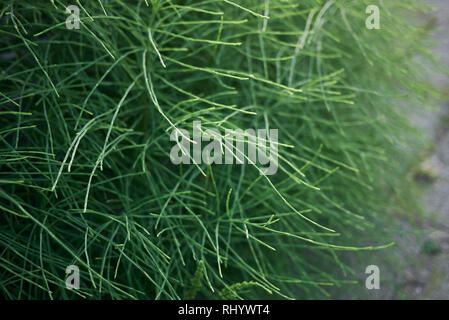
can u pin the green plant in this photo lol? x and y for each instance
(86, 114)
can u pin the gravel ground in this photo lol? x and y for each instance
(421, 266)
(418, 266)
(428, 276)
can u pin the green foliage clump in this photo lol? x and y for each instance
(85, 118)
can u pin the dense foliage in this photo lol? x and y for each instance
(85, 122)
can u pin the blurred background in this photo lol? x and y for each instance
(428, 278)
(418, 267)
(426, 275)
